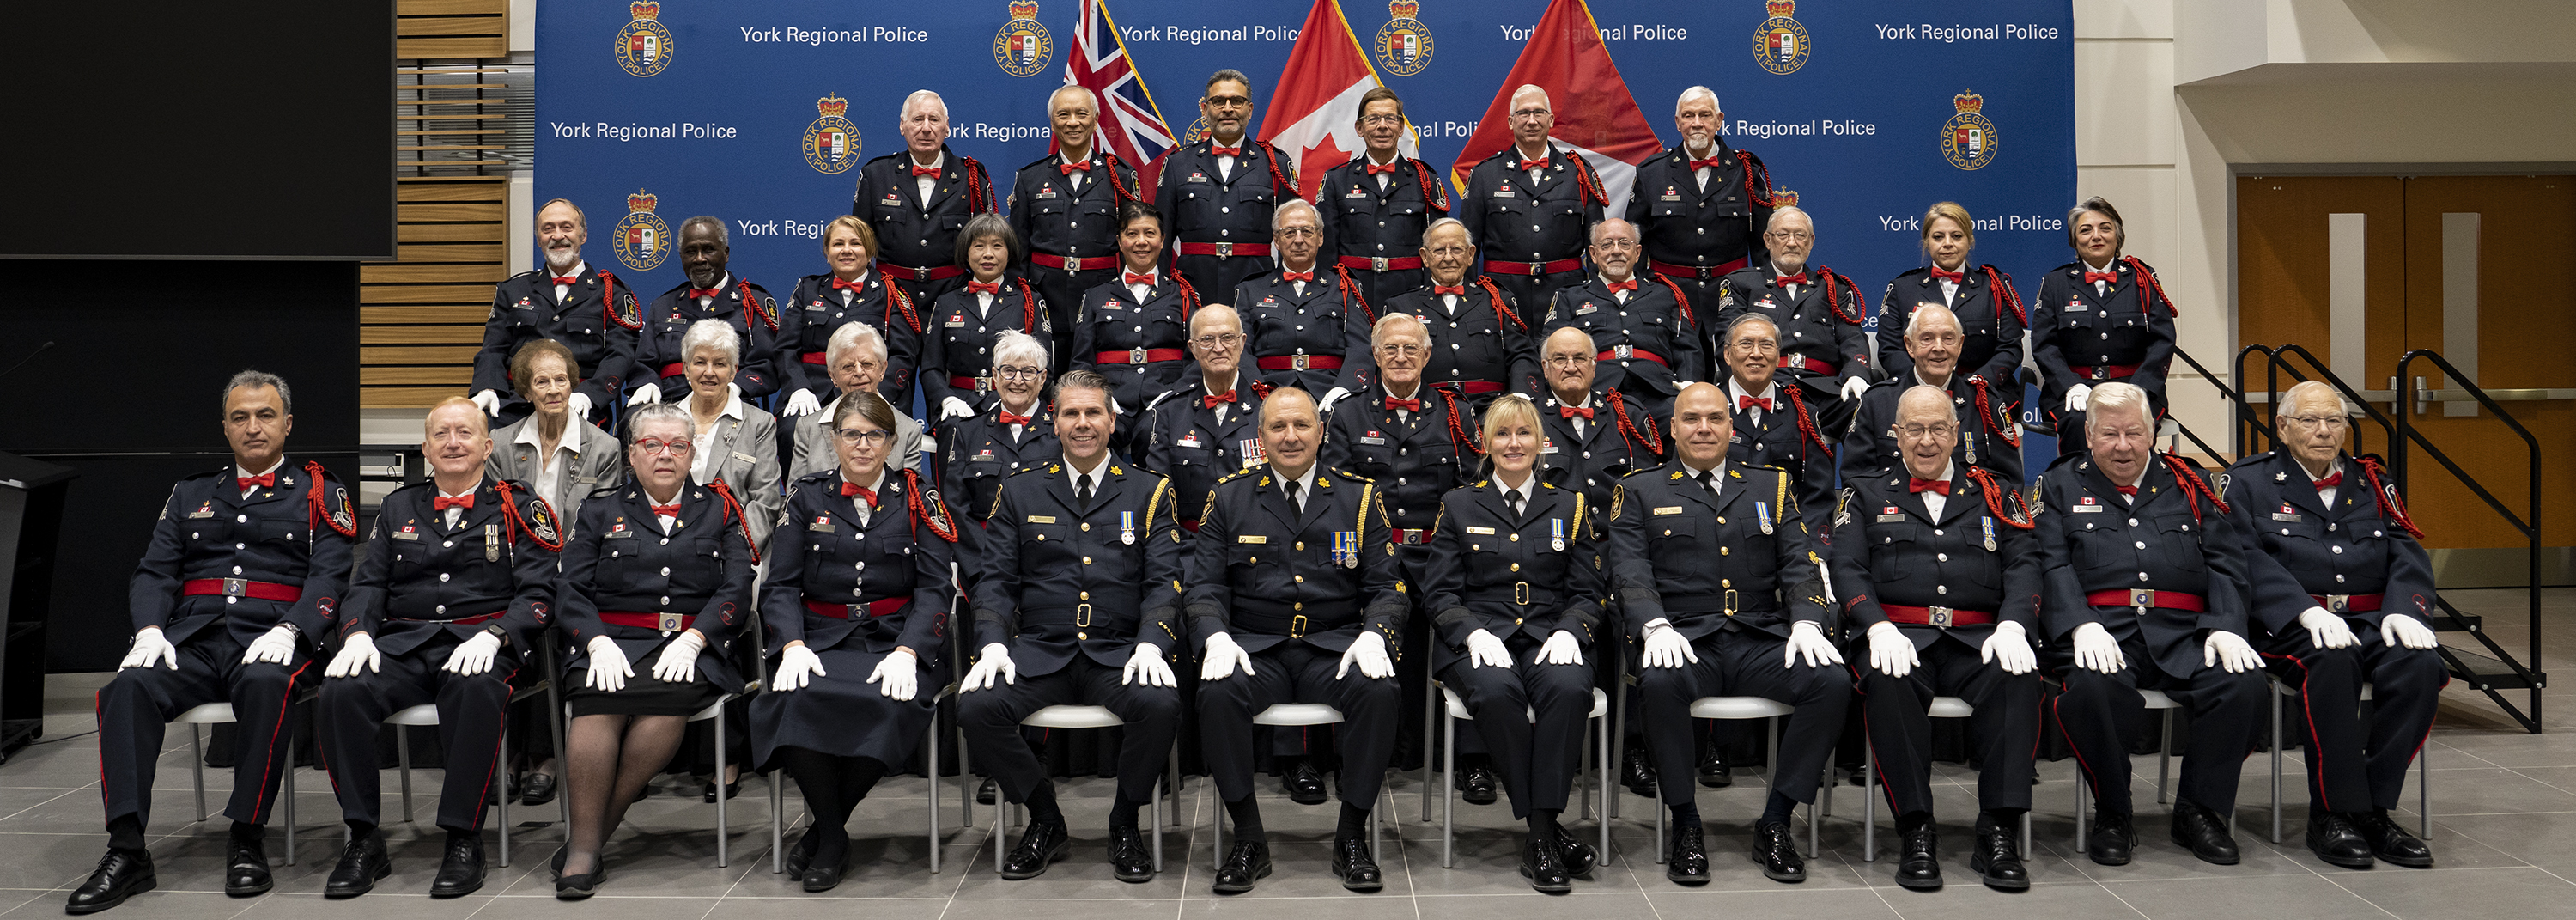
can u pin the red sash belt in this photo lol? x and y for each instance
(1071, 264)
(908, 273)
(1697, 272)
(242, 587)
(2349, 603)
(1380, 263)
(1225, 250)
(1532, 268)
(1624, 352)
(1139, 356)
(1936, 616)
(2141, 597)
(1299, 362)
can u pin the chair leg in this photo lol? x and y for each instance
(2423, 793)
(965, 782)
(1868, 808)
(777, 833)
(556, 715)
(1602, 742)
(724, 828)
(1430, 702)
(1001, 828)
(1172, 782)
(1448, 797)
(1158, 812)
(2164, 761)
(931, 768)
(197, 760)
(2275, 694)
(286, 784)
(2025, 834)
(2083, 791)
(1658, 808)
(402, 759)
(501, 787)
(1584, 772)
(1617, 758)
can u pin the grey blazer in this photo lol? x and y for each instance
(599, 464)
(745, 455)
(814, 443)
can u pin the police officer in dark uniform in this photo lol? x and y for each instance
(2102, 317)
(2145, 579)
(1644, 327)
(1134, 330)
(1481, 346)
(243, 574)
(1375, 207)
(2344, 590)
(1017, 432)
(1987, 436)
(1209, 426)
(1981, 299)
(1701, 204)
(1296, 318)
(1594, 435)
(1535, 184)
(849, 293)
(453, 593)
(1298, 598)
(1817, 311)
(957, 354)
(1936, 563)
(1216, 195)
(1066, 208)
(1710, 623)
(1077, 602)
(1774, 426)
(710, 292)
(919, 199)
(1416, 446)
(588, 310)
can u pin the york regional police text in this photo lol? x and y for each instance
(677, 130)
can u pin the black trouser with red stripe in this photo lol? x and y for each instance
(135, 709)
(2101, 713)
(2357, 765)
(2003, 731)
(470, 716)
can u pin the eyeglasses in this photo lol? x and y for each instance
(2319, 422)
(1919, 432)
(1207, 342)
(1019, 373)
(1407, 350)
(677, 448)
(874, 437)
(1448, 251)
(1529, 113)
(860, 365)
(1383, 120)
(1568, 360)
(1754, 346)
(1790, 236)
(1228, 100)
(1296, 232)
(1615, 245)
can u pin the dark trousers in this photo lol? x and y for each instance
(1742, 662)
(2004, 731)
(1296, 672)
(2100, 713)
(992, 721)
(1063, 292)
(1535, 756)
(2357, 765)
(470, 719)
(135, 709)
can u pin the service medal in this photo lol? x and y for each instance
(491, 542)
(1763, 511)
(1556, 533)
(1990, 534)
(1127, 527)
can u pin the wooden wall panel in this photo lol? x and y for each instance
(421, 316)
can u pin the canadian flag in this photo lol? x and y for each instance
(1314, 117)
(1595, 115)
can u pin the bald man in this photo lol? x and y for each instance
(1529, 205)
(1064, 208)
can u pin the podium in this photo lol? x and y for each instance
(31, 526)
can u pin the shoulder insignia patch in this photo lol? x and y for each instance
(541, 520)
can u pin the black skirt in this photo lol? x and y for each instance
(644, 695)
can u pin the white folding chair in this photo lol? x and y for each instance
(930, 743)
(1596, 723)
(1943, 707)
(1298, 715)
(1754, 707)
(2155, 700)
(213, 713)
(2423, 776)
(1083, 717)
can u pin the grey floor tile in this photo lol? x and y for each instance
(387, 902)
(605, 905)
(1965, 899)
(2544, 840)
(158, 904)
(1582, 903)
(1776, 901)
(1343, 906)
(2530, 893)
(2279, 897)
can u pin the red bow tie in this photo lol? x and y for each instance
(1938, 274)
(2127, 490)
(1211, 401)
(2103, 277)
(1009, 419)
(1286, 275)
(866, 495)
(1572, 411)
(1747, 402)
(1146, 278)
(1374, 169)
(1927, 485)
(1540, 163)
(978, 287)
(1455, 290)
(695, 293)
(263, 479)
(1068, 168)
(851, 286)
(918, 171)
(669, 510)
(1408, 405)
(1214, 150)
(442, 503)
(566, 280)
(1714, 161)
(2330, 481)
(1628, 285)
(1786, 280)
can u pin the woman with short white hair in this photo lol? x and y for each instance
(1016, 432)
(857, 362)
(737, 442)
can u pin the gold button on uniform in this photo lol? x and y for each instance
(1726, 582)
(1301, 579)
(1086, 560)
(1086, 526)
(1086, 595)
(1301, 546)
(1725, 551)
(1516, 538)
(1516, 567)
(1300, 605)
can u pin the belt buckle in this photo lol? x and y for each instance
(984, 383)
(1941, 617)
(1704, 272)
(1136, 356)
(1082, 615)
(1225, 250)
(2142, 598)
(856, 611)
(236, 587)
(1730, 602)
(1520, 593)
(1297, 626)
(1377, 263)
(1298, 360)
(2339, 603)
(2099, 372)
(1622, 352)
(670, 622)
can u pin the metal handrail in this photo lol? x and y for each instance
(2528, 524)
(2387, 427)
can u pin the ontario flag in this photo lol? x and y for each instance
(1129, 123)
(1595, 115)
(1314, 117)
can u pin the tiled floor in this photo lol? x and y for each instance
(2504, 809)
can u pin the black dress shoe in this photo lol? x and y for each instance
(558, 860)
(1544, 865)
(362, 862)
(538, 790)
(1248, 861)
(985, 792)
(1776, 851)
(2204, 833)
(1354, 866)
(1999, 861)
(577, 887)
(460, 872)
(1636, 774)
(246, 865)
(798, 857)
(1044, 844)
(2392, 843)
(1304, 783)
(2332, 836)
(1918, 861)
(1713, 771)
(1579, 856)
(1686, 862)
(120, 874)
(1476, 784)
(730, 790)
(823, 871)
(2113, 837)
(1129, 859)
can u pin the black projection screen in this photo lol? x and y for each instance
(152, 129)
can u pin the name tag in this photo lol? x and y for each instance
(2075, 305)
(1356, 193)
(1046, 191)
(893, 199)
(1251, 538)
(1112, 305)
(1372, 439)
(1587, 308)
(746, 458)
(1668, 509)
(822, 526)
(1188, 442)
(1041, 519)
(586, 480)
(1503, 193)
(525, 304)
(2292, 518)
(957, 321)
(1891, 518)
(620, 533)
(2087, 509)
(816, 306)
(405, 535)
(201, 514)
(1481, 531)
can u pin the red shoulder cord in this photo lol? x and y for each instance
(1585, 180)
(2013, 517)
(1753, 168)
(322, 512)
(979, 191)
(608, 304)
(1118, 191)
(1439, 199)
(1496, 294)
(1628, 430)
(1028, 309)
(1834, 299)
(740, 520)
(2389, 506)
(751, 307)
(1261, 389)
(1986, 411)
(2193, 488)
(512, 523)
(1679, 299)
(940, 524)
(1189, 295)
(1807, 420)
(1457, 428)
(2147, 282)
(1351, 292)
(2005, 295)
(1278, 178)
(897, 300)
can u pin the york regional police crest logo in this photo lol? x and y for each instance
(1023, 46)
(831, 142)
(644, 45)
(1784, 197)
(1198, 131)
(643, 240)
(1968, 139)
(1780, 46)
(1404, 43)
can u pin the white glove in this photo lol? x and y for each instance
(274, 646)
(471, 657)
(2395, 628)
(994, 659)
(1889, 651)
(2076, 395)
(1331, 396)
(898, 676)
(578, 406)
(1853, 387)
(1665, 647)
(356, 651)
(608, 666)
(801, 402)
(149, 645)
(797, 666)
(2229, 649)
(1369, 652)
(1222, 657)
(2326, 630)
(648, 393)
(678, 663)
(1808, 640)
(2095, 650)
(1115, 408)
(490, 401)
(1146, 666)
(1485, 650)
(2009, 649)
(1560, 648)
(953, 407)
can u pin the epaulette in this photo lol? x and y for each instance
(1050, 468)
(875, 160)
(2063, 459)
(2250, 460)
(1238, 474)
(1483, 484)
(1354, 477)
(818, 477)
